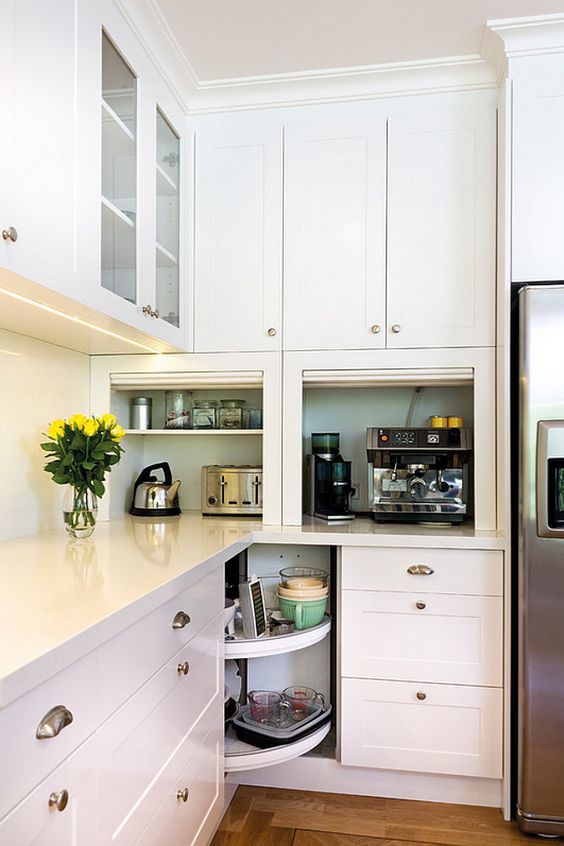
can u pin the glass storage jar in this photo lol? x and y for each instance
(204, 414)
(178, 409)
(255, 418)
(231, 414)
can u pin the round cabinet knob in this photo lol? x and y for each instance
(212, 500)
(421, 695)
(420, 605)
(375, 329)
(147, 310)
(156, 314)
(10, 234)
(396, 328)
(182, 669)
(181, 619)
(59, 800)
(182, 795)
(271, 332)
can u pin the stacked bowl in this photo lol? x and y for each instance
(303, 593)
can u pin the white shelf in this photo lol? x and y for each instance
(107, 204)
(261, 647)
(164, 257)
(241, 757)
(165, 185)
(201, 432)
(114, 118)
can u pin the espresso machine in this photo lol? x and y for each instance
(327, 479)
(419, 474)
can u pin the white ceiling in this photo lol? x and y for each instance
(226, 39)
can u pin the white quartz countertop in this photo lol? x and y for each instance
(60, 599)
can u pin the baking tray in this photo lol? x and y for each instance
(265, 737)
(314, 711)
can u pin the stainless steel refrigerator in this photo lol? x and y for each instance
(540, 517)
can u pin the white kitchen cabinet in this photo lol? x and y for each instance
(335, 231)
(538, 172)
(238, 238)
(441, 229)
(61, 811)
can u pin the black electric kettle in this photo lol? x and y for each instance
(152, 498)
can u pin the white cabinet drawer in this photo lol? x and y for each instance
(31, 759)
(139, 651)
(35, 821)
(138, 741)
(449, 729)
(461, 571)
(424, 636)
(180, 823)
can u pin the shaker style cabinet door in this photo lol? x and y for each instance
(335, 230)
(538, 178)
(238, 237)
(441, 229)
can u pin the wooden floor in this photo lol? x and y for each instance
(261, 816)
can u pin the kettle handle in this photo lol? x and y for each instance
(146, 474)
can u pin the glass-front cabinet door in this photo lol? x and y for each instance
(119, 174)
(167, 237)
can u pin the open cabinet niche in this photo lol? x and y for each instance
(353, 409)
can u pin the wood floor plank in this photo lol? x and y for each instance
(236, 815)
(258, 831)
(323, 838)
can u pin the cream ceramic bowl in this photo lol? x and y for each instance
(304, 593)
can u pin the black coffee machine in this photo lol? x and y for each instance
(327, 479)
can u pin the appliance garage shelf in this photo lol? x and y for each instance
(187, 432)
(261, 647)
(240, 756)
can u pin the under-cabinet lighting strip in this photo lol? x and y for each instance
(74, 319)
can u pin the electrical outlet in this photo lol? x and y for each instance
(356, 494)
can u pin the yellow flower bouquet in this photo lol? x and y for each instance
(80, 451)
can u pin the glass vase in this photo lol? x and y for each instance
(80, 509)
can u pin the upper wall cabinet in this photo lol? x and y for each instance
(38, 141)
(538, 170)
(335, 232)
(238, 242)
(441, 229)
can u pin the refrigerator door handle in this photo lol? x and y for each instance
(550, 445)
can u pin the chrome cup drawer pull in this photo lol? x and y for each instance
(54, 722)
(181, 619)
(59, 800)
(420, 570)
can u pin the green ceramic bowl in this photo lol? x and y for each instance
(304, 612)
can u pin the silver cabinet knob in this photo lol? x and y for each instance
(271, 332)
(181, 619)
(59, 800)
(156, 314)
(396, 328)
(421, 695)
(149, 311)
(375, 329)
(420, 570)
(420, 605)
(53, 722)
(182, 669)
(182, 795)
(10, 234)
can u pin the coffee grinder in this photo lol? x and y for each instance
(327, 482)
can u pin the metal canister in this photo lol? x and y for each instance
(141, 413)
(436, 422)
(455, 422)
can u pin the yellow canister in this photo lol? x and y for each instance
(455, 422)
(436, 422)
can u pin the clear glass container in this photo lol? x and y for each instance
(119, 173)
(326, 443)
(167, 234)
(178, 409)
(255, 418)
(231, 414)
(204, 415)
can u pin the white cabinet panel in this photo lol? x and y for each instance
(334, 237)
(429, 637)
(238, 240)
(441, 229)
(35, 821)
(422, 727)
(538, 178)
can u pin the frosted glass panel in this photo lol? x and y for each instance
(167, 234)
(119, 173)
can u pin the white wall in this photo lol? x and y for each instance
(38, 383)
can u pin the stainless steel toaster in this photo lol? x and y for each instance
(231, 489)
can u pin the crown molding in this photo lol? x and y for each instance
(511, 38)
(454, 73)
